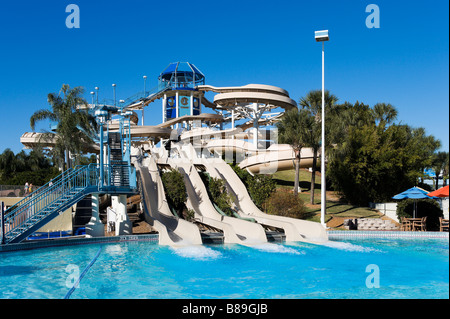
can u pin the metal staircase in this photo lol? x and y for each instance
(48, 201)
(119, 168)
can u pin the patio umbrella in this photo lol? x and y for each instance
(414, 193)
(441, 192)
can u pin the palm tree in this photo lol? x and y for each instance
(439, 163)
(8, 163)
(384, 114)
(75, 127)
(313, 102)
(294, 129)
(313, 140)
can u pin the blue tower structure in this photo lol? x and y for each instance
(181, 97)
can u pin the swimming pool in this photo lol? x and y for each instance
(363, 268)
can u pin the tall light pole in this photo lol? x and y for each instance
(97, 88)
(114, 89)
(322, 36)
(93, 94)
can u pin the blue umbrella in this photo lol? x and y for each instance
(414, 193)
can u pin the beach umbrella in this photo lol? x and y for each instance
(441, 192)
(414, 193)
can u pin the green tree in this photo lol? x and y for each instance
(384, 114)
(313, 102)
(294, 129)
(439, 164)
(16, 169)
(421, 148)
(75, 128)
(376, 158)
(8, 163)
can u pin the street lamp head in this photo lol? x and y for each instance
(144, 77)
(321, 36)
(114, 85)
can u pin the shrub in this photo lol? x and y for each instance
(425, 207)
(260, 187)
(175, 189)
(218, 193)
(285, 203)
(189, 215)
(220, 196)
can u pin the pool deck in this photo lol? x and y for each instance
(153, 238)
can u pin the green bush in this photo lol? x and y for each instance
(260, 187)
(425, 207)
(218, 193)
(220, 196)
(189, 214)
(285, 203)
(175, 189)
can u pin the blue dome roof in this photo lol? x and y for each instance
(182, 72)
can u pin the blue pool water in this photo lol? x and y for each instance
(403, 268)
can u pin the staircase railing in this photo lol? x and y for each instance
(56, 196)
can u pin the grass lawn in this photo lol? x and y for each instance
(335, 209)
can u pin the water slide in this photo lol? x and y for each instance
(172, 230)
(251, 93)
(163, 130)
(235, 230)
(295, 229)
(277, 157)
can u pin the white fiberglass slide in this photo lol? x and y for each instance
(235, 230)
(295, 229)
(173, 231)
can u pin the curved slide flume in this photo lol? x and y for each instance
(259, 93)
(277, 157)
(172, 231)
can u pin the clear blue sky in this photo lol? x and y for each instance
(405, 62)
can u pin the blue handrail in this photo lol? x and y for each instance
(63, 191)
